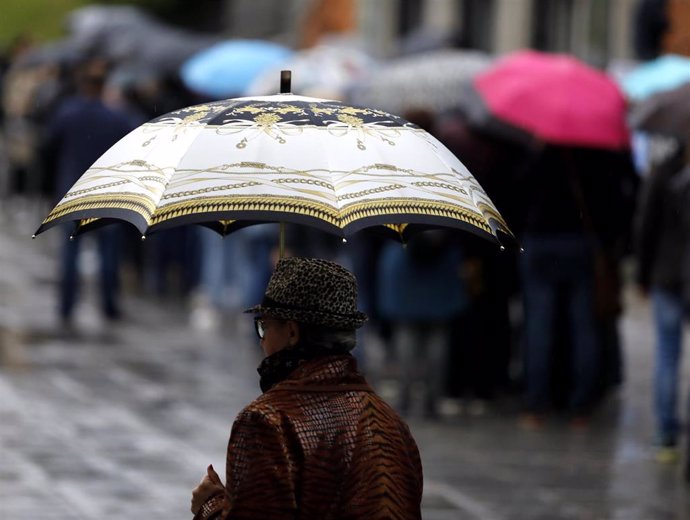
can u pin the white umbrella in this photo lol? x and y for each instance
(281, 158)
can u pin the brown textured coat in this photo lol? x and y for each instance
(320, 445)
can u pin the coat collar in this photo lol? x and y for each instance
(330, 373)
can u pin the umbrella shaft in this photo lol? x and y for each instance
(281, 241)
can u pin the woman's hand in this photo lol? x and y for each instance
(209, 486)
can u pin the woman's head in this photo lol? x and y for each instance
(312, 291)
(277, 334)
(308, 300)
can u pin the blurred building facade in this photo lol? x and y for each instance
(594, 30)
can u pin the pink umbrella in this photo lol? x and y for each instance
(556, 98)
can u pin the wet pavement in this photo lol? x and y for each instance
(116, 422)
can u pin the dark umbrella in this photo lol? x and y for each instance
(128, 34)
(667, 113)
(60, 52)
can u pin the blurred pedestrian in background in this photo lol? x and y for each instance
(319, 443)
(420, 290)
(29, 96)
(651, 24)
(664, 274)
(80, 131)
(234, 272)
(613, 204)
(561, 229)
(482, 345)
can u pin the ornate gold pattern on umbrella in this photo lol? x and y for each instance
(279, 158)
(294, 205)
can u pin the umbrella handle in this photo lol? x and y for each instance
(285, 88)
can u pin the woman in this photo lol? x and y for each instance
(319, 443)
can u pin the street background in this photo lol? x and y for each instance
(116, 412)
(116, 422)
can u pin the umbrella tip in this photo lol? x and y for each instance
(344, 240)
(522, 249)
(33, 236)
(71, 237)
(285, 81)
(503, 248)
(143, 237)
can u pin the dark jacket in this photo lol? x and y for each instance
(320, 445)
(659, 231)
(579, 191)
(80, 132)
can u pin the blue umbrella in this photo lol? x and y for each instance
(226, 69)
(664, 73)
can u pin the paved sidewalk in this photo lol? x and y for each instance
(120, 422)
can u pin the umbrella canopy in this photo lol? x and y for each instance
(60, 52)
(227, 68)
(555, 98)
(664, 73)
(428, 81)
(126, 35)
(666, 113)
(282, 158)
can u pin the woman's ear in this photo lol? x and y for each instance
(293, 333)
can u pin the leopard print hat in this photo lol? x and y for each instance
(314, 291)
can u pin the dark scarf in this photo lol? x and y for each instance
(277, 367)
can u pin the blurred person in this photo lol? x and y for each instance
(32, 87)
(607, 203)
(561, 226)
(56, 85)
(13, 52)
(483, 338)
(324, 18)
(308, 241)
(480, 340)
(420, 290)
(172, 264)
(650, 25)
(613, 208)
(319, 443)
(79, 132)
(21, 99)
(234, 271)
(363, 252)
(663, 274)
